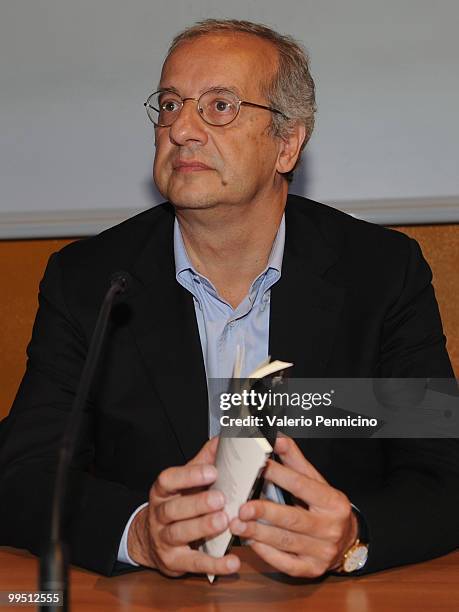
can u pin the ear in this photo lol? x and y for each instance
(290, 147)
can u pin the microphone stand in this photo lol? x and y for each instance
(54, 575)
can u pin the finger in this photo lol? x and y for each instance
(309, 490)
(208, 452)
(198, 562)
(184, 507)
(175, 479)
(191, 530)
(305, 567)
(291, 518)
(292, 456)
(283, 539)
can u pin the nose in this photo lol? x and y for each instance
(188, 127)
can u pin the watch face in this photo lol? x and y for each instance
(356, 558)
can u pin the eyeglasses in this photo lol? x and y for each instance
(215, 107)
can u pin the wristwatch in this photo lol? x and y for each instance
(356, 556)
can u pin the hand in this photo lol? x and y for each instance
(181, 512)
(309, 538)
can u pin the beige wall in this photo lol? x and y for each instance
(440, 245)
(22, 266)
(23, 262)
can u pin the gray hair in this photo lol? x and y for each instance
(291, 90)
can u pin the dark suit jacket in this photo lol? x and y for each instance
(354, 300)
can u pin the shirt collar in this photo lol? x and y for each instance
(183, 263)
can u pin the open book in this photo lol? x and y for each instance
(239, 463)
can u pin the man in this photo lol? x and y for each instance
(234, 261)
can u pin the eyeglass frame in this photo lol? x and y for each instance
(200, 110)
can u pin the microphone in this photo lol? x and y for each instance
(54, 559)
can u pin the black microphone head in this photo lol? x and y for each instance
(122, 280)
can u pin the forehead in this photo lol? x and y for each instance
(230, 59)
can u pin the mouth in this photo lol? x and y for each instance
(190, 166)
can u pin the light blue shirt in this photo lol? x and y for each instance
(222, 328)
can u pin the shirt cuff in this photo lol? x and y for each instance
(363, 533)
(123, 555)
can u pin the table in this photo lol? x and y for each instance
(433, 585)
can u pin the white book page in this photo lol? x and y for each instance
(239, 462)
(266, 369)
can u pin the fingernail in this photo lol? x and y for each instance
(215, 499)
(220, 521)
(238, 526)
(209, 473)
(232, 565)
(247, 512)
(281, 443)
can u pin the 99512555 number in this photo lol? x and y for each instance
(30, 598)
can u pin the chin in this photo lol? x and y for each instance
(184, 192)
(191, 198)
(193, 203)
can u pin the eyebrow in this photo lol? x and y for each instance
(231, 88)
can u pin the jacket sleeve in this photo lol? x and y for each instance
(97, 509)
(413, 515)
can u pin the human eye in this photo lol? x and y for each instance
(222, 104)
(169, 104)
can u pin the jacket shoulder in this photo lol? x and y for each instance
(82, 270)
(122, 242)
(342, 230)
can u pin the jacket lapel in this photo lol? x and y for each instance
(305, 307)
(164, 326)
(305, 310)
